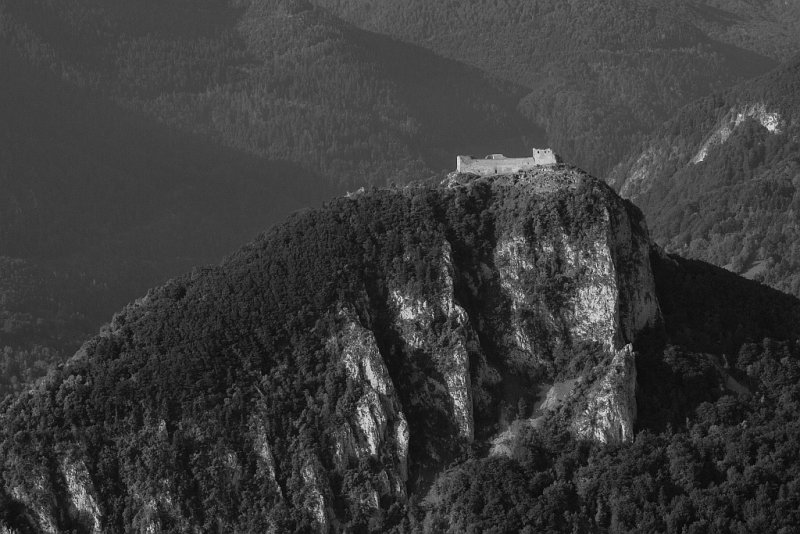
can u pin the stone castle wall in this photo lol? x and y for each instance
(499, 164)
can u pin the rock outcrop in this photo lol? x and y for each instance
(329, 384)
(640, 174)
(771, 120)
(437, 325)
(81, 492)
(379, 424)
(609, 409)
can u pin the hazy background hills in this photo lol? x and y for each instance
(719, 181)
(597, 74)
(276, 79)
(141, 138)
(99, 204)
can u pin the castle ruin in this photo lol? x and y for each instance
(499, 164)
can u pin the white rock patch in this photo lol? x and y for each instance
(447, 345)
(611, 403)
(771, 120)
(315, 502)
(80, 490)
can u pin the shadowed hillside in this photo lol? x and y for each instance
(719, 181)
(597, 74)
(98, 204)
(276, 79)
(140, 139)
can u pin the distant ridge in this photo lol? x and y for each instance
(718, 182)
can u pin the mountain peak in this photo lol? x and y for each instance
(441, 298)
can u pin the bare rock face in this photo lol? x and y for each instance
(314, 501)
(771, 120)
(518, 290)
(45, 501)
(40, 499)
(513, 262)
(637, 176)
(611, 295)
(610, 405)
(604, 297)
(376, 429)
(81, 491)
(439, 326)
(378, 419)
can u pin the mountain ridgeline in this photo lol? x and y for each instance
(491, 352)
(139, 139)
(596, 74)
(719, 181)
(276, 79)
(100, 204)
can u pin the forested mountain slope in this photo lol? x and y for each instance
(139, 139)
(598, 74)
(505, 352)
(719, 181)
(99, 204)
(769, 27)
(278, 79)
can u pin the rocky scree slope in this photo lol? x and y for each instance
(718, 182)
(327, 372)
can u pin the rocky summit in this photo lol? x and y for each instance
(330, 374)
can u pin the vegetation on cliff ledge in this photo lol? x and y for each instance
(159, 407)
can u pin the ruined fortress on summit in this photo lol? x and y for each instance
(499, 164)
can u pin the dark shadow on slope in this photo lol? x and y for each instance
(709, 309)
(714, 14)
(709, 313)
(83, 176)
(465, 110)
(744, 62)
(100, 203)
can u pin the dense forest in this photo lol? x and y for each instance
(289, 80)
(736, 205)
(768, 26)
(142, 139)
(165, 406)
(99, 204)
(597, 74)
(278, 79)
(705, 459)
(123, 119)
(731, 467)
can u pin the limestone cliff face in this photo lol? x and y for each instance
(609, 408)
(438, 326)
(378, 425)
(666, 154)
(771, 120)
(610, 295)
(45, 502)
(604, 296)
(469, 298)
(81, 492)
